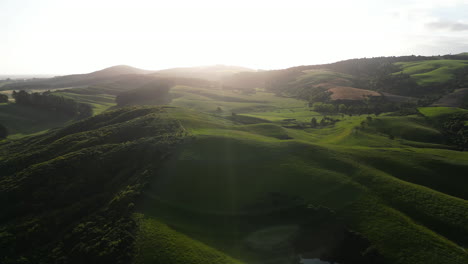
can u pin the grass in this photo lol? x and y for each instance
(412, 128)
(406, 195)
(397, 195)
(99, 102)
(433, 71)
(440, 111)
(158, 243)
(208, 100)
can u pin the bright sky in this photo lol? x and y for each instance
(65, 36)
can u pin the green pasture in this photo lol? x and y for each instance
(432, 71)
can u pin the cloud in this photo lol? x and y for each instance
(447, 25)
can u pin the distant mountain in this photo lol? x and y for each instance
(74, 80)
(122, 73)
(212, 73)
(117, 70)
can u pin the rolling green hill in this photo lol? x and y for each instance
(226, 170)
(225, 175)
(433, 71)
(68, 196)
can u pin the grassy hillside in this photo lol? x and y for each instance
(232, 176)
(100, 102)
(392, 193)
(433, 71)
(158, 243)
(208, 100)
(438, 112)
(68, 196)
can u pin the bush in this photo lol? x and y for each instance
(3, 98)
(3, 131)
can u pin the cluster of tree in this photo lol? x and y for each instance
(324, 122)
(156, 92)
(3, 98)
(48, 101)
(456, 131)
(317, 94)
(324, 108)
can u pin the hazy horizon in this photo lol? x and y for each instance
(58, 38)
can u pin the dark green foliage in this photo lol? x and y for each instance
(3, 98)
(326, 121)
(3, 131)
(455, 130)
(324, 108)
(67, 197)
(156, 92)
(48, 101)
(401, 84)
(313, 122)
(342, 108)
(319, 96)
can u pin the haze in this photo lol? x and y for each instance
(61, 37)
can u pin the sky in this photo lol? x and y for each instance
(79, 36)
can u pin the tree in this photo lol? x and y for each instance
(3, 98)
(51, 102)
(3, 131)
(324, 108)
(342, 108)
(313, 122)
(323, 122)
(21, 97)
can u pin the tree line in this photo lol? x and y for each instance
(48, 101)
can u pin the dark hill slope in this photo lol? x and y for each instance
(67, 197)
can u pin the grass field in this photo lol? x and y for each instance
(158, 243)
(435, 112)
(404, 194)
(433, 71)
(99, 102)
(390, 178)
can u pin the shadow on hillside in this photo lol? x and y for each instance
(21, 120)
